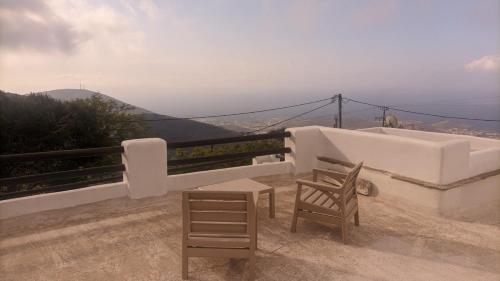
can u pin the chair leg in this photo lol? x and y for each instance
(294, 224)
(251, 267)
(344, 232)
(294, 219)
(356, 218)
(272, 207)
(256, 233)
(184, 263)
(293, 229)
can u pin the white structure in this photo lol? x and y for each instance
(445, 174)
(449, 175)
(463, 156)
(146, 167)
(265, 159)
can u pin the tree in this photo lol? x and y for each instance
(35, 123)
(221, 149)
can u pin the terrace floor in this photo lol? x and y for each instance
(125, 239)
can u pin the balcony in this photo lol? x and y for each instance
(433, 214)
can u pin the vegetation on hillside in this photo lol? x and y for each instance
(221, 149)
(36, 123)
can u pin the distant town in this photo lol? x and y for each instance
(254, 123)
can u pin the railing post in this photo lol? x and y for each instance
(305, 144)
(146, 172)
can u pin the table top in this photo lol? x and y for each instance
(240, 185)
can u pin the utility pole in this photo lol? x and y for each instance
(339, 99)
(335, 118)
(383, 115)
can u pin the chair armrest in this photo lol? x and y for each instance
(320, 186)
(338, 176)
(332, 181)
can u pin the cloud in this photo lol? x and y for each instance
(486, 63)
(67, 26)
(109, 30)
(32, 24)
(147, 7)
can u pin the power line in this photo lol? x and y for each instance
(231, 114)
(360, 110)
(291, 118)
(331, 99)
(447, 101)
(423, 113)
(317, 117)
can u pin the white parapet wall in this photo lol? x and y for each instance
(462, 156)
(146, 167)
(146, 175)
(59, 200)
(442, 173)
(476, 143)
(304, 143)
(196, 179)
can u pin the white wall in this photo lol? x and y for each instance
(423, 158)
(196, 179)
(409, 157)
(439, 162)
(476, 143)
(304, 143)
(472, 200)
(430, 157)
(146, 167)
(58, 200)
(265, 159)
(145, 175)
(454, 160)
(484, 160)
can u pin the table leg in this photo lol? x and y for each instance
(272, 210)
(256, 231)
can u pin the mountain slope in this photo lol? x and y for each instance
(177, 130)
(73, 94)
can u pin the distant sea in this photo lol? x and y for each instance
(481, 107)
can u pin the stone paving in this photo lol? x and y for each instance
(123, 239)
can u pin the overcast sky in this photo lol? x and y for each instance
(179, 56)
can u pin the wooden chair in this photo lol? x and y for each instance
(332, 201)
(218, 224)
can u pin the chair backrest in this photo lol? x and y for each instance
(218, 213)
(349, 185)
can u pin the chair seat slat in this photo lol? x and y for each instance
(228, 216)
(216, 242)
(218, 205)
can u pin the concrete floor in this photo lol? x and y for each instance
(126, 239)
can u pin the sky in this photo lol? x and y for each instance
(185, 57)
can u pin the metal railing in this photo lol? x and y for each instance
(55, 181)
(197, 163)
(90, 175)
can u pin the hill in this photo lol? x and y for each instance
(177, 130)
(184, 130)
(73, 94)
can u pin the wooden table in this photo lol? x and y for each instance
(246, 185)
